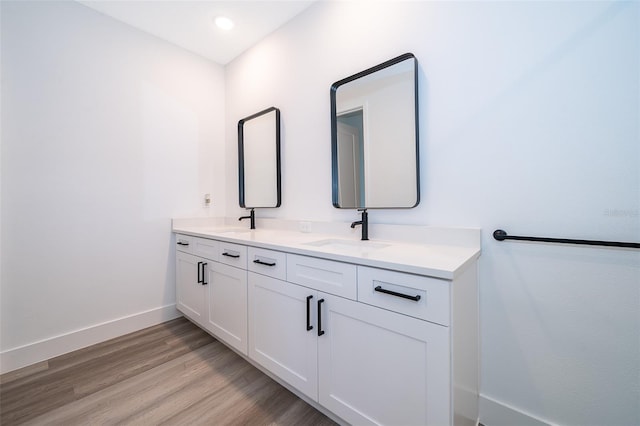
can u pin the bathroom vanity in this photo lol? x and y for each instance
(370, 332)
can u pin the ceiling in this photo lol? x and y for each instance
(189, 24)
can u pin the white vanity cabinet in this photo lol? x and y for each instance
(210, 291)
(227, 305)
(375, 366)
(281, 335)
(373, 346)
(190, 290)
(365, 364)
(282, 331)
(382, 368)
(191, 280)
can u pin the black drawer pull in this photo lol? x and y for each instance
(309, 326)
(199, 269)
(320, 330)
(235, 256)
(182, 243)
(394, 293)
(260, 262)
(204, 274)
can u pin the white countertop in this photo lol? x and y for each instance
(433, 258)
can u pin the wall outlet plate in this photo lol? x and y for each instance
(305, 227)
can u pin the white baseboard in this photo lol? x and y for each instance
(496, 413)
(22, 356)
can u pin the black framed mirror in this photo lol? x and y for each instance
(259, 159)
(374, 137)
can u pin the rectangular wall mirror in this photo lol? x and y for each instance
(259, 159)
(374, 137)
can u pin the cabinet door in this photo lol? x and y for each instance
(227, 307)
(190, 294)
(279, 336)
(380, 367)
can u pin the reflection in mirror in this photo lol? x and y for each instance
(259, 159)
(374, 137)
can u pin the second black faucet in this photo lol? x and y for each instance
(365, 224)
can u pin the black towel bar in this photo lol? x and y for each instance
(501, 235)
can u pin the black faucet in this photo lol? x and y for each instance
(251, 216)
(365, 224)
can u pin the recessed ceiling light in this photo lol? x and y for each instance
(224, 23)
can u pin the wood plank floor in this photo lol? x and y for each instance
(173, 373)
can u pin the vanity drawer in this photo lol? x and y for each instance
(184, 243)
(432, 293)
(232, 254)
(267, 262)
(324, 275)
(204, 247)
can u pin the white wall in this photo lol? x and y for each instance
(107, 133)
(529, 120)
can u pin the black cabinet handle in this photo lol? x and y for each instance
(199, 269)
(320, 330)
(260, 262)
(204, 274)
(309, 326)
(393, 293)
(182, 243)
(235, 256)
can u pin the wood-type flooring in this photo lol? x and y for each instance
(172, 374)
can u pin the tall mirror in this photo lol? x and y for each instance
(259, 159)
(374, 137)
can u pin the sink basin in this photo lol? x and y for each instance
(347, 245)
(228, 230)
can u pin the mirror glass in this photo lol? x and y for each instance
(259, 159)
(374, 137)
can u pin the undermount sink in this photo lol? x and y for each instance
(229, 230)
(347, 245)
